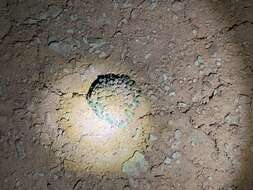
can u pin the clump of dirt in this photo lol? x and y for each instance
(109, 91)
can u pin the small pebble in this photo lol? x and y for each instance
(152, 137)
(176, 155)
(178, 134)
(199, 61)
(167, 161)
(172, 93)
(167, 88)
(181, 105)
(147, 56)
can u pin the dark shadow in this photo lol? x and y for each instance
(237, 17)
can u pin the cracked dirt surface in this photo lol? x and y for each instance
(192, 60)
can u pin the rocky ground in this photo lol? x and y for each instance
(192, 60)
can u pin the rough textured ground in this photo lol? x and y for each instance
(192, 58)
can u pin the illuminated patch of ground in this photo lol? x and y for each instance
(104, 118)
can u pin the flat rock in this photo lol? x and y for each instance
(232, 119)
(135, 165)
